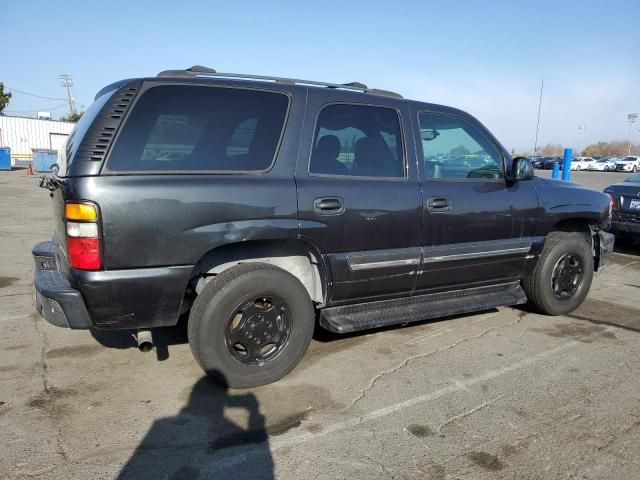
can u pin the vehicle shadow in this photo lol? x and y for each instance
(202, 442)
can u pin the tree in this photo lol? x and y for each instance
(551, 150)
(72, 117)
(460, 150)
(615, 148)
(4, 98)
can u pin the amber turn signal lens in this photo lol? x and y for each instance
(80, 211)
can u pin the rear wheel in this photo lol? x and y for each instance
(562, 277)
(251, 325)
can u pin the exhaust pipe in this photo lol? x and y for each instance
(144, 339)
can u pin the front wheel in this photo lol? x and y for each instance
(635, 169)
(251, 325)
(562, 277)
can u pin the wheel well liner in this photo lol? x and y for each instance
(296, 257)
(586, 226)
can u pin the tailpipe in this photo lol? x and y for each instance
(144, 339)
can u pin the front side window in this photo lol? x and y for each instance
(180, 127)
(358, 141)
(453, 148)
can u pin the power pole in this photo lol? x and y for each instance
(631, 118)
(535, 145)
(581, 129)
(67, 82)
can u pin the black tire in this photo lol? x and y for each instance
(213, 313)
(635, 169)
(558, 247)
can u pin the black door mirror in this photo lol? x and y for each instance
(522, 169)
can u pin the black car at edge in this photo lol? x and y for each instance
(262, 205)
(625, 207)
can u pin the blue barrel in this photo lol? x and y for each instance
(5, 158)
(43, 159)
(556, 169)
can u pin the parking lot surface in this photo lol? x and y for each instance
(500, 394)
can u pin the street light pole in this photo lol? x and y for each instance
(581, 129)
(631, 118)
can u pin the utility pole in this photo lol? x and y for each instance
(67, 82)
(631, 118)
(535, 145)
(581, 129)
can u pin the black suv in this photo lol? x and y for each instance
(261, 206)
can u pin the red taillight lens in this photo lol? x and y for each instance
(83, 235)
(84, 253)
(612, 202)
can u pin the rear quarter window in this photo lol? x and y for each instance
(175, 128)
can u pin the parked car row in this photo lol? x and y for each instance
(603, 164)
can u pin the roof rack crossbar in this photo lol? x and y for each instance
(199, 71)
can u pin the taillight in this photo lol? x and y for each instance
(612, 200)
(83, 236)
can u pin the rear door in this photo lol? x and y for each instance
(358, 196)
(478, 228)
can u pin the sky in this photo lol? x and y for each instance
(485, 57)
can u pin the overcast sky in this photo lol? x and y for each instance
(486, 57)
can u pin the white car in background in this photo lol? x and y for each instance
(581, 163)
(603, 165)
(628, 164)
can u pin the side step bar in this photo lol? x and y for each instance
(362, 316)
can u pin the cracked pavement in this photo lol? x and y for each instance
(498, 394)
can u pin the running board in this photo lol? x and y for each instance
(363, 316)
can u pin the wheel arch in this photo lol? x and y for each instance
(296, 257)
(583, 225)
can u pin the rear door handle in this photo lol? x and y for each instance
(328, 205)
(438, 204)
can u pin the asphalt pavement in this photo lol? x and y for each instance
(504, 393)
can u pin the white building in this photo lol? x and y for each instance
(23, 135)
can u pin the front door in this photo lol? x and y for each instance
(478, 228)
(359, 198)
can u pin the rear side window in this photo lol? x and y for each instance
(359, 141)
(179, 127)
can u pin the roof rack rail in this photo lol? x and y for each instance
(200, 71)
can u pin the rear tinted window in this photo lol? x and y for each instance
(358, 140)
(178, 127)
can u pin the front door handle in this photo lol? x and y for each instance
(438, 204)
(328, 205)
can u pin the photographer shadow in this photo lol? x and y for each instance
(201, 441)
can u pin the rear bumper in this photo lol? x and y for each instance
(113, 299)
(625, 223)
(56, 300)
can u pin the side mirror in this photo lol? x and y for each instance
(522, 169)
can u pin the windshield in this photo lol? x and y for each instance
(629, 159)
(68, 151)
(634, 178)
